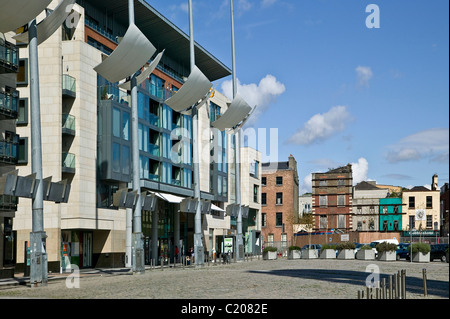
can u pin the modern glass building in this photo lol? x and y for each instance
(86, 129)
(9, 150)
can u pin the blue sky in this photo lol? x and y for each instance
(337, 91)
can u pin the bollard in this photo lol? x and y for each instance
(404, 283)
(390, 288)
(424, 273)
(399, 287)
(384, 289)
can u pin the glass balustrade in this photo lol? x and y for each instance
(68, 122)
(68, 161)
(69, 84)
(9, 103)
(9, 57)
(8, 152)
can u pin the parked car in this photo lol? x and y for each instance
(313, 246)
(438, 251)
(403, 251)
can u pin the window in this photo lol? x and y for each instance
(372, 209)
(254, 167)
(341, 221)
(279, 220)
(395, 209)
(412, 222)
(323, 183)
(263, 219)
(323, 222)
(263, 199)
(359, 226)
(429, 202)
(116, 122)
(263, 181)
(279, 180)
(22, 74)
(270, 239)
(429, 221)
(323, 200)
(283, 240)
(125, 160)
(412, 202)
(395, 225)
(359, 210)
(116, 158)
(22, 151)
(255, 193)
(341, 200)
(385, 210)
(371, 224)
(385, 225)
(341, 182)
(126, 126)
(22, 110)
(279, 199)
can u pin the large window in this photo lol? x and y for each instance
(412, 202)
(279, 220)
(279, 199)
(429, 202)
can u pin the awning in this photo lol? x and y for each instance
(214, 207)
(50, 24)
(144, 74)
(170, 198)
(236, 113)
(132, 53)
(196, 87)
(16, 13)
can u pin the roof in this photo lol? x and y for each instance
(343, 169)
(163, 34)
(275, 166)
(419, 189)
(366, 186)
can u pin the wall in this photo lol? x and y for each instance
(358, 237)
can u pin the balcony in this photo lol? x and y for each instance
(8, 152)
(68, 124)
(109, 92)
(9, 57)
(8, 202)
(69, 86)
(8, 105)
(68, 163)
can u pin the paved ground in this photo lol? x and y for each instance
(257, 279)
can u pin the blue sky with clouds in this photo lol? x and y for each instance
(337, 91)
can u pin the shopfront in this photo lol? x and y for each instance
(76, 249)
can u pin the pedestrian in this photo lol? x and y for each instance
(176, 253)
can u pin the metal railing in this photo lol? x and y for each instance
(8, 152)
(9, 55)
(68, 160)
(69, 83)
(113, 93)
(68, 122)
(9, 101)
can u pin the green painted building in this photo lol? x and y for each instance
(390, 214)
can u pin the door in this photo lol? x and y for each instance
(87, 249)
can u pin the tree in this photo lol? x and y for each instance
(308, 220)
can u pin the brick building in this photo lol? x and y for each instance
(332, 199)
(279, 201)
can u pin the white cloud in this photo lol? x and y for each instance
(261, 95)
(360, 170)
(364, 74)
(306, 186)
(322, 126)
(432, 144)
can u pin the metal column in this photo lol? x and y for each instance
(137, 239)
(239, 237)
(198, 242)
(39, 264)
